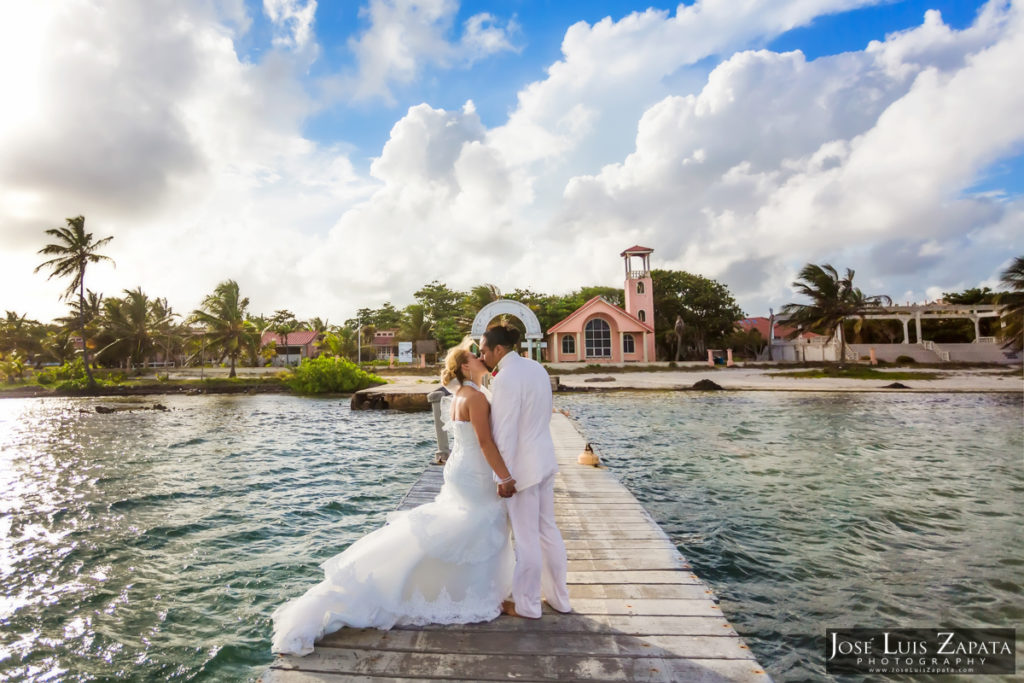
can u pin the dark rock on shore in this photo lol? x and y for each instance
(107, 410)
(896, 385)
(706, 385)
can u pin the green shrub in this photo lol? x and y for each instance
(71, 376)
(330, 376)
(903, 360)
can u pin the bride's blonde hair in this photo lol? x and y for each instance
(456, 358)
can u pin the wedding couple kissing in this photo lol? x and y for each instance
(452, 561)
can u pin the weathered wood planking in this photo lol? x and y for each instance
(639, 611)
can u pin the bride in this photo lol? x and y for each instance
(445, 562)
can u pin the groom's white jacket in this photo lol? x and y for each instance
(521, 419)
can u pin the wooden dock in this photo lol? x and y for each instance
(639, 612)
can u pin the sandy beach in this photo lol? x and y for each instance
(989, 380)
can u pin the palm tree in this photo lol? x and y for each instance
(318, 324)
(58, 345)
(283, 323)
(136, 323)
(833, 299)
(415, 325)
(18, 332)
(74, 250)
(340, 343)
(223, 314)
(1013, 313)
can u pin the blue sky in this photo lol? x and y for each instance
(493, 84)
(323, 153)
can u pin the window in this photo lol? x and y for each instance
(639, 288)
(568, 344)
(628, 345)
(599, 339)
(642, 314)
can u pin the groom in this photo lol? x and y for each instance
(521, 424)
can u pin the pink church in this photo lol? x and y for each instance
(601, 332)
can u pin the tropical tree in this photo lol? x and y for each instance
(12, 367)
(135, 325)
(283, 323)
(1012, 331)
(223, 315)
(74, 250)
(338, 343)
(707, 308)
(833, 300)
(58, 346)
(317, 324)
(414, 325)
(748, 343)
(476, 298)
(19, 333)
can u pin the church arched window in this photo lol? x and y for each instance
(598, 339)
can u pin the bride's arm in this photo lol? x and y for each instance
(479, 417)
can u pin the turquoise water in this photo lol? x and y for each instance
(814, 511)
(154, 545)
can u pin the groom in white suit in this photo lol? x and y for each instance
(521, 423)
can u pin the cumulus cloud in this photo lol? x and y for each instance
(195, 158)
(795, 161)
(405, 36)
(293, 21)
(190, 156)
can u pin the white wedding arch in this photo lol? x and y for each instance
(513, 308)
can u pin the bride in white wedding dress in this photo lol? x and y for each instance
(445, 562)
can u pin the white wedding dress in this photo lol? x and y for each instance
(445, 562)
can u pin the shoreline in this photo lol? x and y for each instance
(601, 380)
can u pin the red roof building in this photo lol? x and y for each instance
(294, 347)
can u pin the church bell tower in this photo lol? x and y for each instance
(639, 287)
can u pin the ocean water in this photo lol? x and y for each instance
(808, 511)
(153, 545)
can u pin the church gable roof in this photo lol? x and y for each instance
(600, 304)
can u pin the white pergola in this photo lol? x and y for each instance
(936, 312)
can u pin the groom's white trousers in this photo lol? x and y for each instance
(540, 552)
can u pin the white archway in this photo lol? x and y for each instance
(513, 308)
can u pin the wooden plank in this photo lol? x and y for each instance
(640, 590)
(623, 563)
(639, 612)
(470, 641)
(628, 624)
(582, 552)
(533, 667)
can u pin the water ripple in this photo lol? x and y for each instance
(154, 545)
(814, 511)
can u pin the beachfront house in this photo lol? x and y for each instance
(385, 344)
(293, 348)
(601, 332)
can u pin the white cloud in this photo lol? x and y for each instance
(405, 36)
(293, 21)
(189, 156)
(783, 159)
(194, 158)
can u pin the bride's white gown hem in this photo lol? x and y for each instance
(445, 562)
